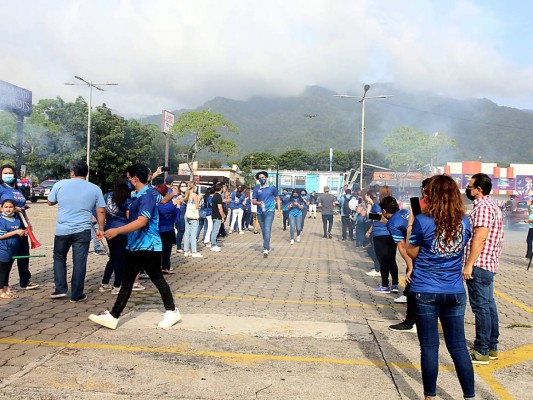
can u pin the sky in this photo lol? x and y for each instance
(173, 54)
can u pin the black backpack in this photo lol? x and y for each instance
(346, 206)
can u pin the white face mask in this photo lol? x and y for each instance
(8, 178)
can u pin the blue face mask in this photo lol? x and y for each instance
(262, 181)
(130, 185)
(8, 178)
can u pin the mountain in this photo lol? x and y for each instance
(481, 128)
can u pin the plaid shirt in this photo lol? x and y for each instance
(486, 213)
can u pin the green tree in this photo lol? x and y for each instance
(295, 159)
(8, 132)
(410, 148)
(205, 126)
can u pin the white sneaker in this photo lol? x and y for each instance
(137, 287)
(401, 299)
(115, 290)
(265, 253)
(196, 255)
(215, 248)
(241, 232)
(170, 318)
(105, 319)
(292, 241)
(104, 288)
(230, 231)
(373, 273)
(207, 244)
(186, 253)
(298, 239)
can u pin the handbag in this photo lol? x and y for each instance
(191, 211)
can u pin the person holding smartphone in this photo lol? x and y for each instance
(296, 216)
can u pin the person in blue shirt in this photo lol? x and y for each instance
(437, 239)
(9, 190)
(296, 207)
(383, 244)
(346, 213)
(305, 197)
(285, 200)
(143, 250)
(247, 210)
(207, 210)
(397, 226)
(11, 233)
(237, 209)
(117, 208)
(266, 198)
(168, 214)
(76, 198)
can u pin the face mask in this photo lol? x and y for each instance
(294, 197)
(262, 181)
(130, 186)
(8, 178)
(468, 193)
(8, 215)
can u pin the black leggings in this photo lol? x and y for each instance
(386, 254)
(167, 239)
(151, 261)
(5, 269)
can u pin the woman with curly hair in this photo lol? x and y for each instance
(437, 239)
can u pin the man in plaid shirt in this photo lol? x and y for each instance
(482, 255)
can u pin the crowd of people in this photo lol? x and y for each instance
(442, 247)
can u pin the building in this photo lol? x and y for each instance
(311, 181)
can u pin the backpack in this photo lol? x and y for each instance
(346, 207)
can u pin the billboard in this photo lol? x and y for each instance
(15, 99)
(167, 121)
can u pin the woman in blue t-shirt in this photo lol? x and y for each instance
(296, 207)
(117, 206)
(237, 211)
(168, 215)
(11, 234)
(9, 190)
(436, 244)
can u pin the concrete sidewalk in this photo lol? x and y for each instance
(303, 323)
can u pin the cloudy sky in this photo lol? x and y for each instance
(169, 54)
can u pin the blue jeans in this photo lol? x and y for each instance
(481, 294)
(189, 240)
(295, 223)
(214, 232)
(450, 309)
(180, 227)
(265, 222)
(80, 248)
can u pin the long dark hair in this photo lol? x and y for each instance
(121, 191)
(12, 184)
(444, 203)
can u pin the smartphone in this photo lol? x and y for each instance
(415, 205)
(374, 216)
(165, 169)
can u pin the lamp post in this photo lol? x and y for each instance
(433, 152)
(362, 100)
(90, 84)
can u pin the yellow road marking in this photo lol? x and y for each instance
(264, 300)
(513, 301)
(514, 285)
(216, 354)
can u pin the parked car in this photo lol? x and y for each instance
(516, 217)
(42, 190)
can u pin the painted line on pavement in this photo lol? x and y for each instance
(265, 300)
(216, 354)
(513, 301)
(250, 271)
(514, 285)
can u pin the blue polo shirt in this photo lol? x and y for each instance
(8, 192)
(144, 204)
(380, 229)
(285, 200)
(296, 211)
(267, 194)
(397, 225)
(115, 216)
(438, 266)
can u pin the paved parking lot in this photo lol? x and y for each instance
(304, 323)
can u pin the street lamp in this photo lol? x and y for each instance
(433, 151)
(90, 84)
(362, 100)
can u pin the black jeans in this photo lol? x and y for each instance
(168, 239)
(347, 227)
(151, 261)
(117, 251)
(5, 269)
(23, 264)
(327, 223)
(285, 219)
(386, 254)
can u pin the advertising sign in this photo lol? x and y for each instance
(15, 99)
(167, 121)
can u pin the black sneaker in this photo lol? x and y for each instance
(82, 298)
(403, 327)
(57, 295)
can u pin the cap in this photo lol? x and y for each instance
(169, 180)
(326, 188)
(261, 173)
